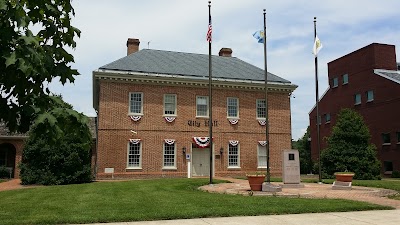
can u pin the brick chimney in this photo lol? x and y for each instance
(225, 52)
(133, 45)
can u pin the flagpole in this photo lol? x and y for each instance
(266, 98)
(210, 121)
(317, 103)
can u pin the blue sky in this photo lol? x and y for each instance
(181, 25)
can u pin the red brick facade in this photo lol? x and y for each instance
(114, 128)
(380, 114)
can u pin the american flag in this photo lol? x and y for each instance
(209, 31)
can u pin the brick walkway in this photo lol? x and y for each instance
(311, 190)
(14, 184)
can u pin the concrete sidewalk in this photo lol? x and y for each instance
(386, 217)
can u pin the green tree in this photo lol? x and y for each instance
(303, 145)
(34, 36)
(349, 148)
(58, 148)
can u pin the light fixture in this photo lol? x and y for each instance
(221, 150)
(184, 150)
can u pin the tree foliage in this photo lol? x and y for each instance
(304, 147)
(58, 148)
(34, 36)
(349, 148)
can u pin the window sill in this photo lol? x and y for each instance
(169, 168)
(335, 86)
(357, 103)
(398, 143)
(135, 114)
(386, 144)
(233, 118)
(234, 168)
(345, 83)
(328, 122)
(166, 115)
(202, 117)
(133, 168)
(388, 172)
(262, 167)
(370, 100)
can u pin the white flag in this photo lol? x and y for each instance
(317, 46)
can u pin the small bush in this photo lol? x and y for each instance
(396, 174)
(4, 172)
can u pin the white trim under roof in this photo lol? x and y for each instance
(322, 96)
(379, 72)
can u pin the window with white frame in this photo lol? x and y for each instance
(357, 99)
(327, 118)
(202, 106)
(260, 108)
(345, 78)
(262, 156)
(233, 107)
(370, 95)
(233, 156)
(335, 82)
(170, 104)
(169, 155)
(134, 155)
(136, 103)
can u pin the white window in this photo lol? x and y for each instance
(169, 156)
(202, 106)
(134, 155)
(335, 82)
(327, 118)
(233, 156)
(370, 96)
(357, 99)
(233, 107)
(260, 108)
(345, 79)
(262, 156)
(136, 103)
(170, 104)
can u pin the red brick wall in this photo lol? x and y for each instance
(115, 128)
(380, 115)
(18, 145)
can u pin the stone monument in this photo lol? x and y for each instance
(291, 169)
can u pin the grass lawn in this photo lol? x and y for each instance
(148, 200)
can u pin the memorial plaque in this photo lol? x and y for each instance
(108, 170)
(291, 169)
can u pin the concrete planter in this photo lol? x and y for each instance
(255, 182)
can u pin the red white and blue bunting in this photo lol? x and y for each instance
(135, 118)
(233, 142)
(233, 121)
(134, 141)
(169, 141)
(169, 119)
(262, 122)
(262, 143)
(202, 142)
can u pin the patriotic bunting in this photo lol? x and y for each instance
(262, 143)
(135, 118)
(134, 141)
(233, 142)
(262, 122)
(169, 119)
(233, 121)
(169, 141)
(202, 142)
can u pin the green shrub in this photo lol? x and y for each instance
(349, 148)
(4, 172)
(58, 149)
(396, 174)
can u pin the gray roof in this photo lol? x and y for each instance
(389, 74)
(190, 65)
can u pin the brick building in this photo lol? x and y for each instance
(152, 108)
(368, 81)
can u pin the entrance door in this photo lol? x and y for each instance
(201, 162)
(7, 157)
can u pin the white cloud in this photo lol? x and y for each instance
(180, 25)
